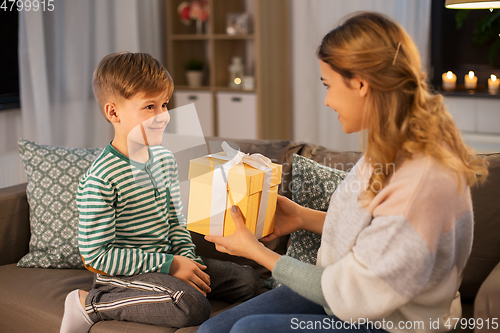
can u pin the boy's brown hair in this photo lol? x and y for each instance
(122, 75)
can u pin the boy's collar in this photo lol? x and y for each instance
(136, 164)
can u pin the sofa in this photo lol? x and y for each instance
(32, 299)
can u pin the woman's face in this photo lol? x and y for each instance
(348, 102)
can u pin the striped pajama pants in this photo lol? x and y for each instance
(163, 300)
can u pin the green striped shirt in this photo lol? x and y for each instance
(130, 214)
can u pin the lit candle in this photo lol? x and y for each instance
(493, 83)
(449, 81)
(470, 81)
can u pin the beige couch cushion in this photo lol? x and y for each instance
(34, 301)
(14, 224)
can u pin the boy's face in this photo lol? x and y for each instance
(149, 111)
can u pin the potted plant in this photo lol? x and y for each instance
(194, 72)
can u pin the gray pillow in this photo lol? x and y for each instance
(53, 177)
(312, 186)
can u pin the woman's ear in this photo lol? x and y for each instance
(111, 112)
(363, 87)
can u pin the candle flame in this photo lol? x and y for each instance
(449, 75)
(471, 74)
(493, 77)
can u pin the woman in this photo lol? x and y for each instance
(398, 230)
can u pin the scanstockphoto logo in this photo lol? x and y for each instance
(178, 132)
(361, 324)
(313, 186)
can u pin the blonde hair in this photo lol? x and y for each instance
(124, 74)
(401, 114)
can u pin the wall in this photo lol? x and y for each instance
(479, 121)
(314, 122)
(62, 110)
(10, 130)
(311, 20)
(478, 118)
(11, 168)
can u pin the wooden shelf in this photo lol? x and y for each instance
(234, 90)
(214, 89)
(190, 37)
(211, 36)
(185, 87)
(265, 53)
(232, 37)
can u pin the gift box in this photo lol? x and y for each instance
(219, 181)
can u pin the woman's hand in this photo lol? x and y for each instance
(243, 243)
(288, 219)
(191, 272)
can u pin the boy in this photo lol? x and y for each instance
(132, 233)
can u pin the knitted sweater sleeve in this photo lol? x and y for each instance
(386, 268)
(358, 283)
(416, 239)
(303, 278)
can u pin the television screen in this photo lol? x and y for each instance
(9, 69)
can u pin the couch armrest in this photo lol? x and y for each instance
(14, 224)
(487, 302)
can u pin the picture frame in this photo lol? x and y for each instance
(238, 24)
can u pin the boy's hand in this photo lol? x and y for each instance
(190, 272)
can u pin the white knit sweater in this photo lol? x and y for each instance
(397, 261)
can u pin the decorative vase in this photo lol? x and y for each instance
(236, 71)
(194, 78)
(199, 27)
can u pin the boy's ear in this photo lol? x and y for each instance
(111, 112)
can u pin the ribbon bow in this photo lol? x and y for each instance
(257, 161)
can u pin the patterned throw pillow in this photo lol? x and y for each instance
(53, 177)
(312, 186)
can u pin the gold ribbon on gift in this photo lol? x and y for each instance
(220, 184)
